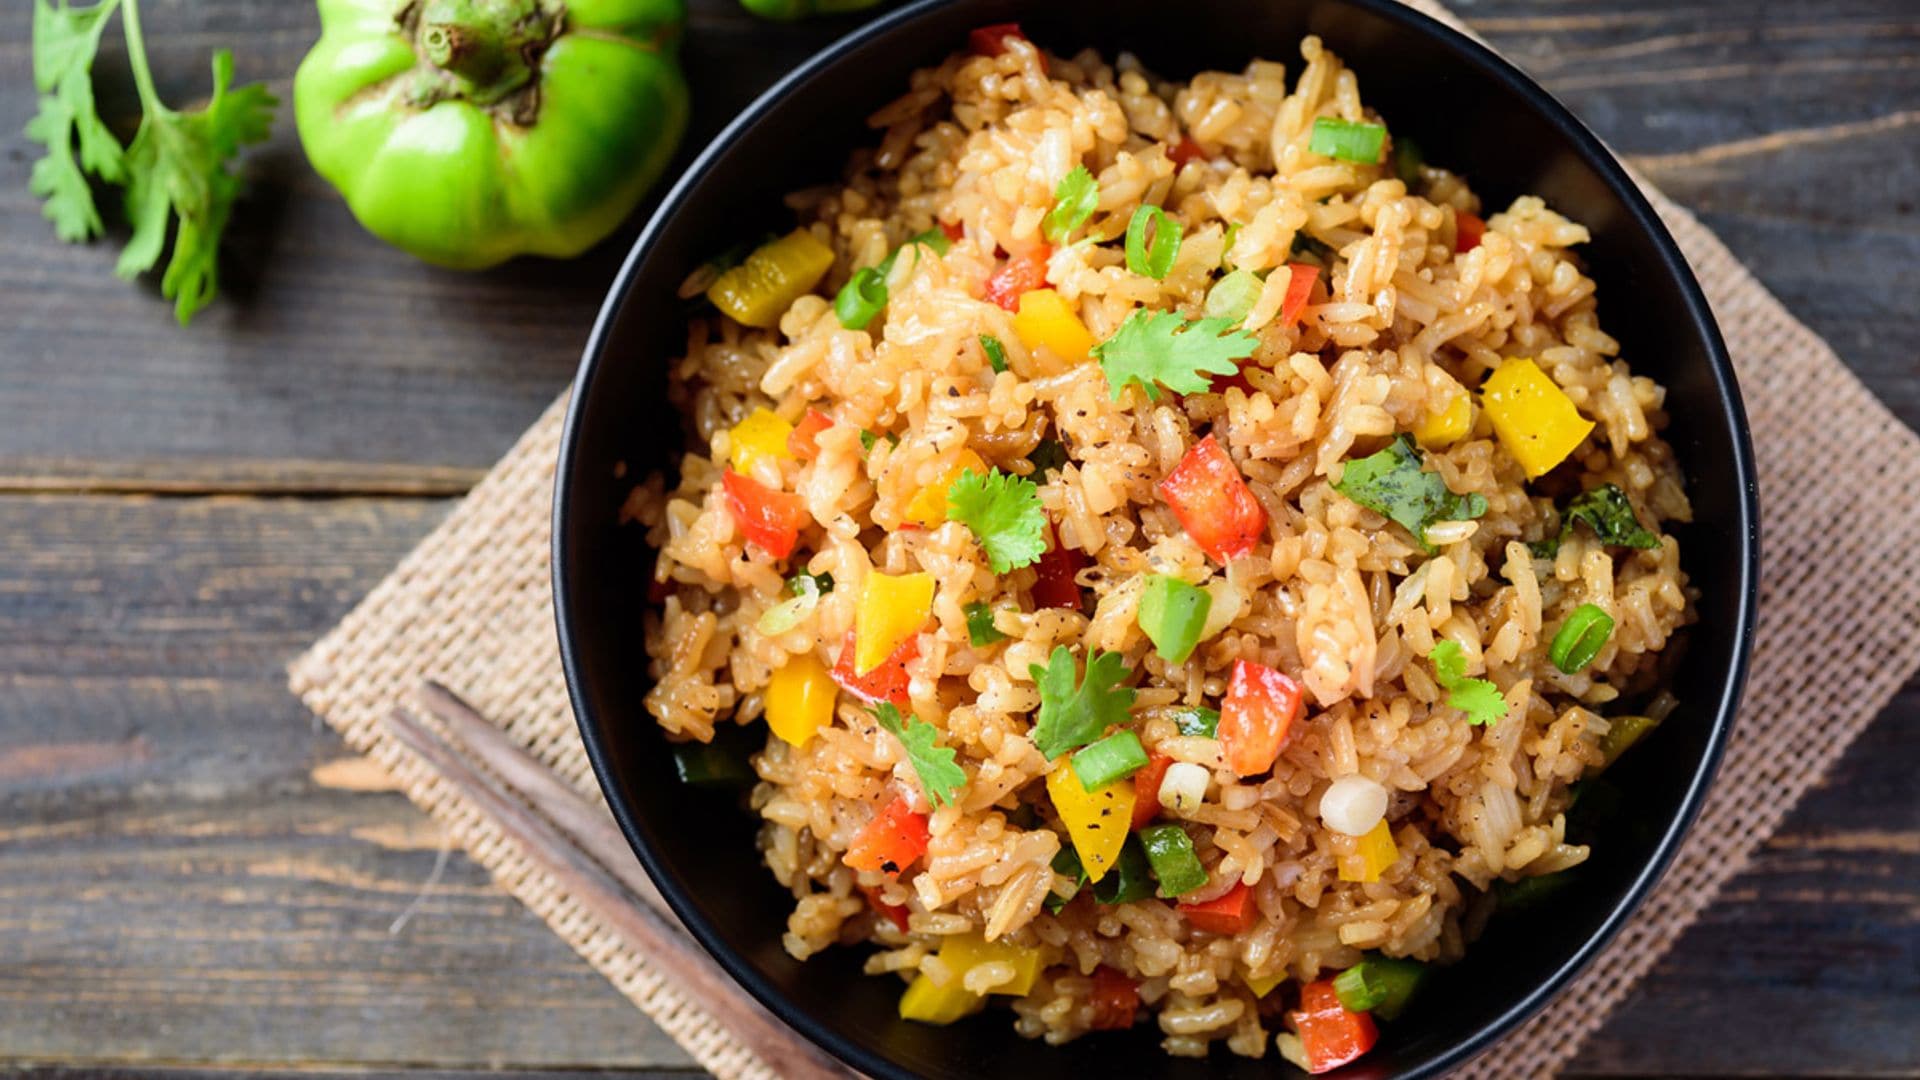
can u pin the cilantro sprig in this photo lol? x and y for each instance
(174, 171)
(1164, 348)
(940, 778)
(1609, 513)
(1072, 716)
(1392, 483)
(1478, 698)
(1074, 200)
(1005, 515)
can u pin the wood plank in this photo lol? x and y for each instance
(191, 870)
(191, 873)
(338, 364)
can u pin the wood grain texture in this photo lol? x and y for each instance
(195, 879)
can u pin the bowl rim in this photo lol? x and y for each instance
(1468, 49)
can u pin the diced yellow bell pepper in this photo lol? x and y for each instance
(1097, 821)
(1375, 852)
(931, 1003)
(762, 436)
(1263, 985)
(800, 699)
(1438, 430)
(929, 508)
(1536, 421)
(962, 953)
(1044, 319)
(892, 609)
(761, 289)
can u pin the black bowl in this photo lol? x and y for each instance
(1469, 111)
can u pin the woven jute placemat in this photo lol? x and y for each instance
(471, 607)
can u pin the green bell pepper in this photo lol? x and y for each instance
(470, 131)
(788, 10)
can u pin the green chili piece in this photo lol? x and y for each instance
(1173, 614)
(1152, 258)
(1198, 721)
(1115, 757)
(1067, 864)
(1581, 638)
(1170, 853)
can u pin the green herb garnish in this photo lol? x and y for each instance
(1152, 258)
(1048, 457)
(1071, 717)
(1392, 483)
(1161, 347)
(1175, 864)
(822, 583)
(980, 629)
(1129, 879)
(996, 352)
(1197, 721)
(1005, 515)
(1074, 200)
(940, 778)
(176, 168)
(1478, 698)
(1609, 513)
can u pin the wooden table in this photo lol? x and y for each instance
(194, 876)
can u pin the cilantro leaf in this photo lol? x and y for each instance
(177, 167)
(1607, 511)
(1071, 718)
(1005, 515)
(1163, 347)
(940, 778)
(1048, 458)
(1478, 698)
(65, 41)
(1074, 200)
(1392, 483)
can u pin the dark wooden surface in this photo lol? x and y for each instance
(195, 879)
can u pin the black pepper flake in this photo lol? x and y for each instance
(953, 391)
(890, 866)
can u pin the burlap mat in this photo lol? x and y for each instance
(1840, 483)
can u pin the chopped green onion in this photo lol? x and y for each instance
(1074, 200)
(996, 352)
(788, 614)
(867, 439)
(1170, 853)
(1066, 864)
(933, 238)
(1379, 985)
(1152, 258)
(1129, 879)
(861, 298)
(980, 628)
(1198, 721)
(1115, 757)
(1581, 638)
(822, 583)
(1173, 613)
(711, 765)
(1407, 160)
(1226, 242)
(1623, 732)
(1233, 296)
(1048, 457)
(1347, 141)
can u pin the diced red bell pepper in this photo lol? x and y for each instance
(1222, 383)
(1299, 289)
(658, 591)
(1146, 790)
(955, 230)
(1184, 151)
(1116, 998)
(1232, 912)
(1332, 1034)
(1053, 584)
(1259, 710)
(888, 682)
(894, 912)
(1019, 275)
(992, 40)
(894, 840)
(771, 519)
(801, 443)
(1469, 228)
(1213, 503)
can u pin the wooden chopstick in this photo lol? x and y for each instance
(594, 883)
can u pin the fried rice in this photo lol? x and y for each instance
(1403, 318)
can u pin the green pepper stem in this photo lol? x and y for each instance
(487, 45)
